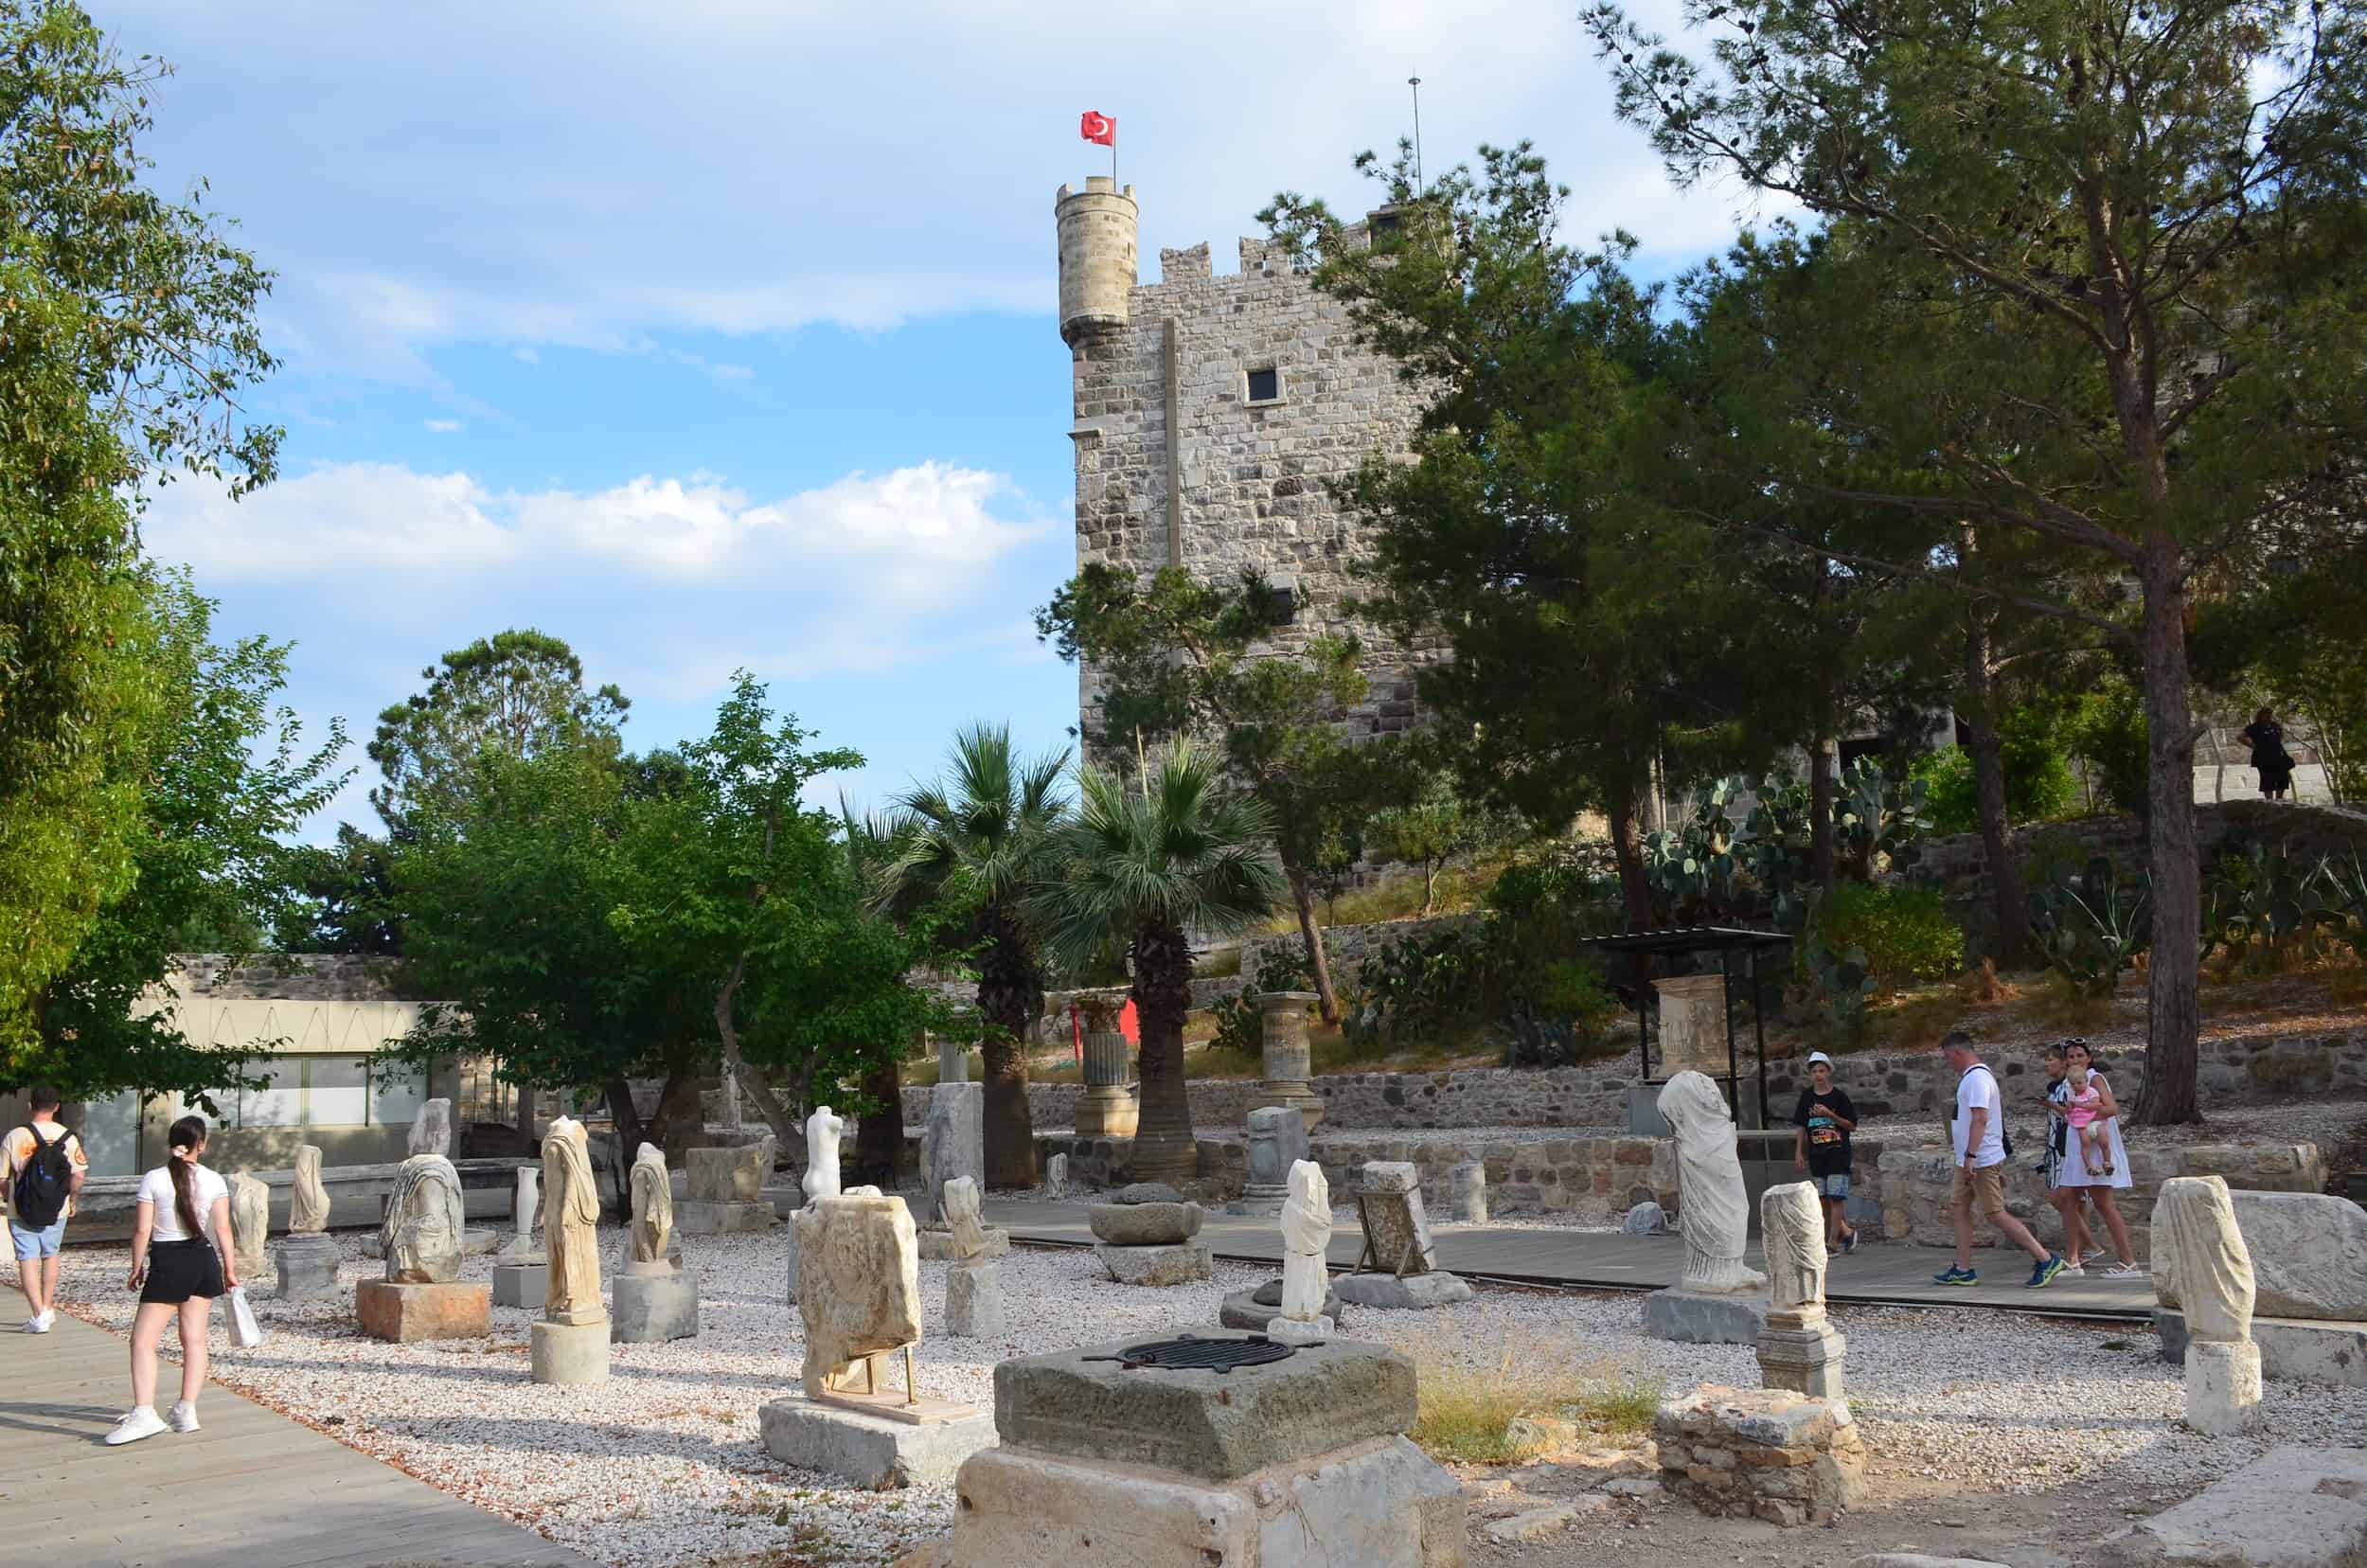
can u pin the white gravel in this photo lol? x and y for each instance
(662, 1464)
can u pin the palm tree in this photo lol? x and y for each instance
(975, 841)
(1140, 865)
(873, 845)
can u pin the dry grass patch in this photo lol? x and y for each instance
(1469, 1399)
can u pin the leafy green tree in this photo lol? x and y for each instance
(342, 898)
(1180, 657)
(1593, 630)
(2104, 255)
(127, 335)
(874, 841)
(517, 692)
(1430, 829)
(971, 845)
(1139, 864)
(221, 772)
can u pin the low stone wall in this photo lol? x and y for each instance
(1883, 1084)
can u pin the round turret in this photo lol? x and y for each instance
(1098, 258)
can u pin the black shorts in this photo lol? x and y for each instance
(180, 1270)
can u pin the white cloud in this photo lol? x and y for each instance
(443, 427)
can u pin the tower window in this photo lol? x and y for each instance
(1282, 603)
(1265, 386)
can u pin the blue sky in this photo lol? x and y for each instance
(720, 333)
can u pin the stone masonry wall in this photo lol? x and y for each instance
(296, 977)
(1251, 475)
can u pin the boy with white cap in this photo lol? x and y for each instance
(1825, 1119)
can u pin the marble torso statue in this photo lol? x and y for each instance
(570, 1227)
(421, 1237)
(1712, 1206)
(652, 1206)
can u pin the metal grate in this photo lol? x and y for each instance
(1188, 1353)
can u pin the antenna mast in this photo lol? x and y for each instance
(1416, 82)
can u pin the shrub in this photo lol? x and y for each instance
(1905, 933)
(2090, 926)
(1240, 1022)
(2110, 736)
(2038, 781)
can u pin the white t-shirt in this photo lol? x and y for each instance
(1976, 1090)
(156, 1191)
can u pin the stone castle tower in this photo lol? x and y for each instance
(1209, 412)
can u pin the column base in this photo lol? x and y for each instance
(574, 1353)
(405, 1314)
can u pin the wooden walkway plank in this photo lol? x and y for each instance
(252, 1489)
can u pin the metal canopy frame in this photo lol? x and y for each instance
(1685, 941)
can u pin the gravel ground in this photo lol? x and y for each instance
(662, 1464)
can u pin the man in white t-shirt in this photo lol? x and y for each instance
(1977, 1132)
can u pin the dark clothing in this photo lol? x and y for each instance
(2268, 756)
(1828, 1141)
(179, 1270)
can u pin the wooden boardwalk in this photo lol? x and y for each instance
(252, 1489)
(1888, 1273)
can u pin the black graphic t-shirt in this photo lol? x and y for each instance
(1828, 1141)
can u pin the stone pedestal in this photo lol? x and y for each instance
(937, 1245)
(408, 1313)
(1692, 1027)
(1690, 1317)
(652, 1309)
(1761, 1453)
(568, 1352)
(1251, 1309)
(308, 1267)
(1108, 1112)
(1467, 1193)
(1288, 1069)
(1435, 1289)
(954, 1144)
(525, 1285)
(2222, 1387)
(871, 1450)
(1291, 1331)
(1288, 1465)
(2298, 1349)
(973, 1301)
(694, 1217)
(1174, 1263)
(1802, 1352)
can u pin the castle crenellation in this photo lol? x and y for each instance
(1211, 412)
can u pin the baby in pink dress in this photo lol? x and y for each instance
(2083, 1111)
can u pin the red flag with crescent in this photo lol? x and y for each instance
(1095, 126)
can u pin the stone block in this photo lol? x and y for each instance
(2291, 1349)
(1805, 1359)
(954, 1143)
(1691, 1318)
(1216, 1426)
(2292, 1507)
(1435, 1288)
(1378, 1504)
(732, 1175)
(568, 1352)
(696, 1218)
(1761, 1452)
(1251, 1309)
(973, 1301)
(405, 1314)
(521, 1285)
(1645, 1220)
(2222, 1387)
(873, 1451)
(1291, 1331)
(1108, 1113)
(307, 1267)
(1397, 1230)
(1467, 1193)
(1182, 1263)
(1918, 1559)
(1144, 1224)
(937, 1245)
(653, 1309)
(2308, 1254)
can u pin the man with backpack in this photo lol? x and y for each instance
(44, 1165)
(1977, 1134)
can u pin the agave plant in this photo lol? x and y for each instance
(2091, 928)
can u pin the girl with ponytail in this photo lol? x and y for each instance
(181, 1257)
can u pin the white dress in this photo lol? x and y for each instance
(2074, 1166)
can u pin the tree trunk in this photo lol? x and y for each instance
(1163, 1146)
(1010, 999)
(1430, 886)
(525, 1120)
(1823, 758)
(1978, 713)
(880, 1132)
(1627, 851)
(780, 1115)
(1318, 961)
(680, 1115)
(2174, 1009)
(626, 1115)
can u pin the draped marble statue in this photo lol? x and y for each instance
(1305, 1233)
(2213, 1272)
(307, 1200)
(570, 1234)
(1791, 1220)
(250, 1223)
(1713, 1207)
(961, 1219)
(421, 1236)
(652, 1206)
(823, 1131)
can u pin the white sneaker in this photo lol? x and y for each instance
(183, 1416)
(143, 1423)
(47, 1320)
(2069, 1270)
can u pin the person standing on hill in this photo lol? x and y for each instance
(2269, 758)
(42, 1167)
(1826, 1120)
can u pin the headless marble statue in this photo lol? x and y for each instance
(1712, 1206)
(1305, 1231)
(652, 1206)
(421, 1237)
(823, 1131)
(1791, 1219)
(570, 1227)
(961, 1219)
(307, 1200)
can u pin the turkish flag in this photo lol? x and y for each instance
(1095, 126)
(1130, 1023)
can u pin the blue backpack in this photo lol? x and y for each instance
(43, 1183)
